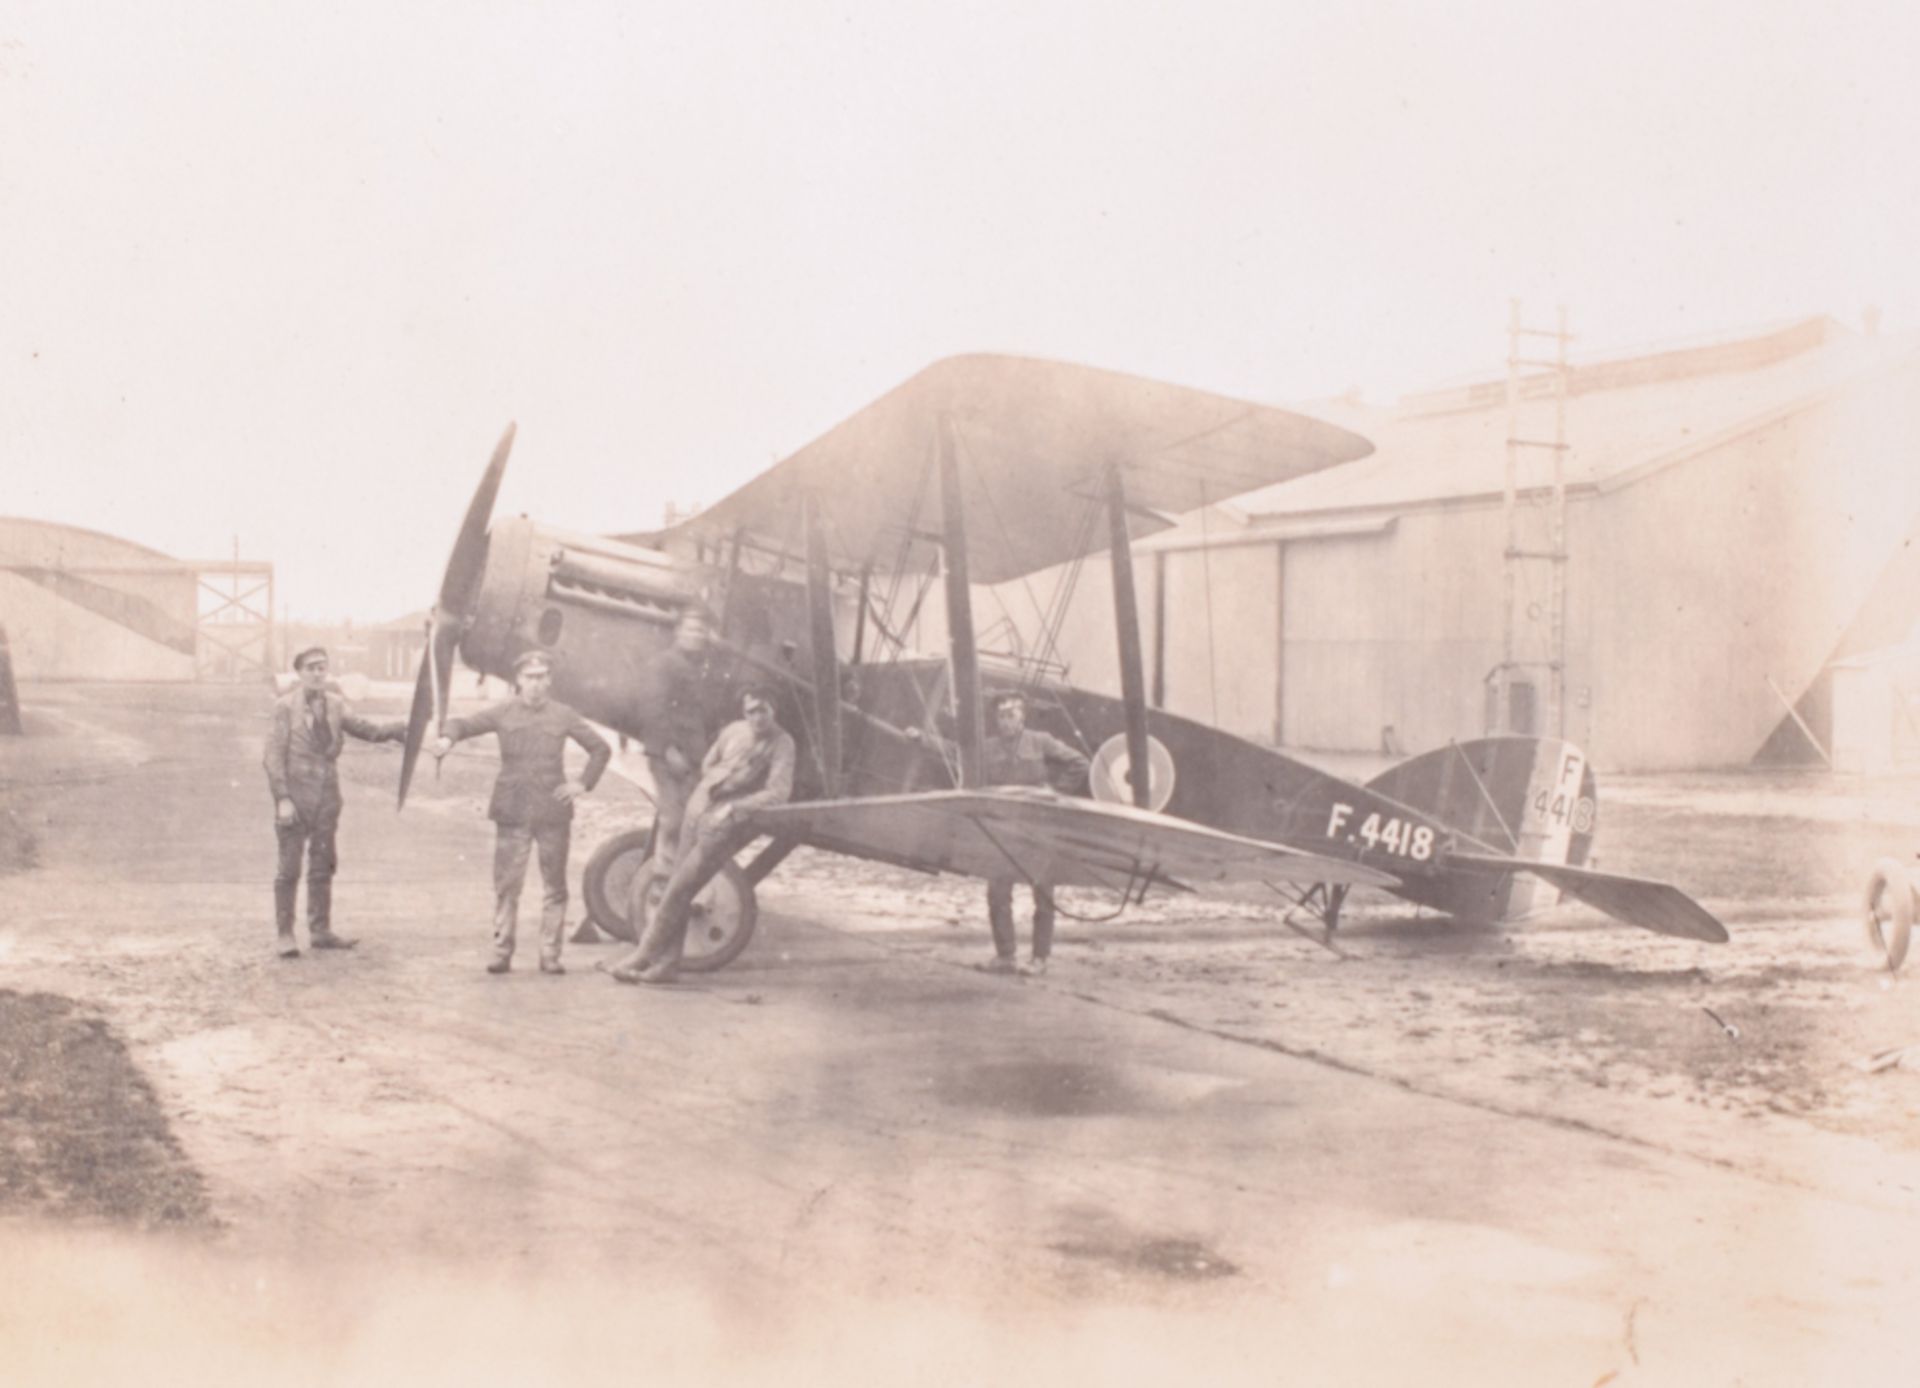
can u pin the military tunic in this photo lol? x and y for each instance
(526, 812)
(1026, 758)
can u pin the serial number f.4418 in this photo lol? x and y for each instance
(1389, 834)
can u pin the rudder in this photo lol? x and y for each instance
(1523, 797)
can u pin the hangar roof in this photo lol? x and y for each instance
(53, 545)
(1625, 416)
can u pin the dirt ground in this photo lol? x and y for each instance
(1561, 1152)
(1572, 1016)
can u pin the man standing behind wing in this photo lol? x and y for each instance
(532, 800)
(750, 765)
(1016, 755)
(310, 725)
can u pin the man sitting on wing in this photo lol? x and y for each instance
(749, 766)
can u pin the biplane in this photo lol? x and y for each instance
(978, 471)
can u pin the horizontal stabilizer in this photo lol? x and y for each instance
(1030, 833)
(1657, 906)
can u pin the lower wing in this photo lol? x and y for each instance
(1656, 906)
(1036, 834)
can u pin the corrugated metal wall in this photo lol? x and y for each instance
(1222, 648)
(1688, 589)
(1396, 628)
(1738, 566)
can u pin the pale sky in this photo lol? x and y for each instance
(284, 272)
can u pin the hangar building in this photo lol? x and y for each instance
(1739, 521)
(80, 605)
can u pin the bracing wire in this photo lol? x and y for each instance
(1052, 615)
(1135, 878)
(1048, 655)
(907, 538)
(1069, 583)
(1000, 524)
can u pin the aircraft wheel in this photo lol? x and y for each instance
(1889, 911)
(607, 881)
(721, 924)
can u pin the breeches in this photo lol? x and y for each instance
(670, 794)
(703, 850)
(313, 840)
(1000, 914)
(513, 844)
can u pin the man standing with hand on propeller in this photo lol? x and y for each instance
(310, 724)
(532, 800)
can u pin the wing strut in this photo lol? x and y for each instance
(733, 578)
(826, 662)
(1126, 621)
(966, 659)
(860, 619)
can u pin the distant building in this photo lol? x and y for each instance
(79, 605)
(1740, 516)
(381, 651)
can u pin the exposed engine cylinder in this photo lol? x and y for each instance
(651, 584)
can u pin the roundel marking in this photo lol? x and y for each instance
(1107, 777)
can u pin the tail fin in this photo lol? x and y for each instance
(1530, 798)
(1525, 808)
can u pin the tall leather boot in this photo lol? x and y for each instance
(320, 914)
(283, 902)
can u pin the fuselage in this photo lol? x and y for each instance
(605, 610)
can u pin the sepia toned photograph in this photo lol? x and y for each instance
(765, 694)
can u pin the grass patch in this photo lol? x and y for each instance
(82, 1135)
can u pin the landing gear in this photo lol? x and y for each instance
(607, 880)
(720, 924)
(620, 884)
(1889, 910)
(1323, 899)
(1327, 898)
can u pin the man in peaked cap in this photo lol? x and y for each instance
(310, 725)
(1016, 755)
(532, 800)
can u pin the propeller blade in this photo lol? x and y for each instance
(418, 718)
(464, 569)
(430, 689)
(441, 645)
(469, 559)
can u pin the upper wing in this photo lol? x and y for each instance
(1656, 906)
(1037, 834)
(1034, 438)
